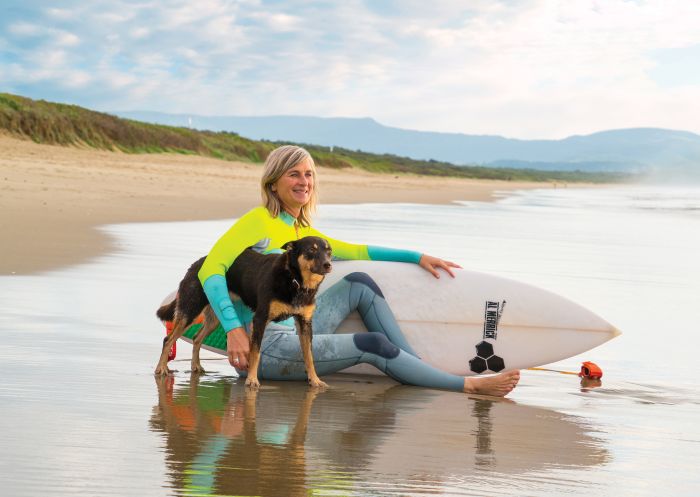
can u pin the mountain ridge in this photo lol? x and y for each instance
(72, 125)
(627, 149)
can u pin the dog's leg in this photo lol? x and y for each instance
(298, 435)
(305, 337)
(259, 323)
(180, 325)
(208, 325)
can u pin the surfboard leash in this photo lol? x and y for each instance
(589, 370)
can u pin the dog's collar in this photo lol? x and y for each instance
(301, 288)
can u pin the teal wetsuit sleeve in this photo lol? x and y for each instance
(391, 254)
(353, 251)
(217, 292)
(247, 231)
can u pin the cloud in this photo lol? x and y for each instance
(62, 14)
(531, 68)
(62, 38)
(24, 29)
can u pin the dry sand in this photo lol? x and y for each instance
(53, 197)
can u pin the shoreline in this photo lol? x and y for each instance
(54, 197)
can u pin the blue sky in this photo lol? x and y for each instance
(518, 68)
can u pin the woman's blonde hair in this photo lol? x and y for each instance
(281, 160)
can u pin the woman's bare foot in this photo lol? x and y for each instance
(499, 385)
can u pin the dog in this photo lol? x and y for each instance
(274, 286)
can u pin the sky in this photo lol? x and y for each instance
(517, 68)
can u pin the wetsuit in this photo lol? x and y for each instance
(384, 347)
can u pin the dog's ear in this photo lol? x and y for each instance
(289, 245)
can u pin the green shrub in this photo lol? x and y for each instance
(61, 124)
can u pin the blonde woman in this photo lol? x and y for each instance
(289, 198)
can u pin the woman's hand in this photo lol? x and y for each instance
(238, 348)
(232, 420)
(431, 264)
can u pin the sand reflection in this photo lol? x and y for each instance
(362, 436)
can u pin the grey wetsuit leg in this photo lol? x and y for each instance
(282, 359)
(358, 291)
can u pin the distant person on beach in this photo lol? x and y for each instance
(289, 198)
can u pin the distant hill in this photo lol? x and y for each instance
(617, 150)
(62, 124)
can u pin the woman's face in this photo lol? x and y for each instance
(295, 186)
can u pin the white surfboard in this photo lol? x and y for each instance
(477, 323)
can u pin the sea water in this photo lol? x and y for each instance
(82, 413)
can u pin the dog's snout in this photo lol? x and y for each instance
(327, 266)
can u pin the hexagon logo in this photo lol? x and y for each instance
(486, 359)
(495, 363)
(478, 365)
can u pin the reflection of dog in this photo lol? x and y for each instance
(275, 286)
(250, 459)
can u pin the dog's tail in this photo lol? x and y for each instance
(167, 311)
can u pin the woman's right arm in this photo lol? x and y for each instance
(247, 231)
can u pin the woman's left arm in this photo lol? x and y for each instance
(353, 251)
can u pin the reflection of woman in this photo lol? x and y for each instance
(289, 196)
(220, 438)
(217, 446)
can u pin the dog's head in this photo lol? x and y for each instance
(312, 256)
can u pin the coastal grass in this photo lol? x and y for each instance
(71, 125)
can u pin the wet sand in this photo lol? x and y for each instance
(84, 415)
(53, 197)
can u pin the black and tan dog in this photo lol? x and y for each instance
(275, 287)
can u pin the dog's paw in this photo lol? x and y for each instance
(317, 383)
(162, 371)
(197, 369)
(252, 383)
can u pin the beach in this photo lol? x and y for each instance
(133, 141)
(53, 197)
(93, 241)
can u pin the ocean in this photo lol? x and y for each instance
(82, 413)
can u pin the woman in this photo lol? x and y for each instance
(289, 197)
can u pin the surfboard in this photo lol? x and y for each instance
(472, 324)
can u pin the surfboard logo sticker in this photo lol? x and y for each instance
(486, 358)
(492, 315)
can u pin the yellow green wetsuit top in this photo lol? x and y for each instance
(264, 233)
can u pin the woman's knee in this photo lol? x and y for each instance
(366, 280)
(376, 343)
